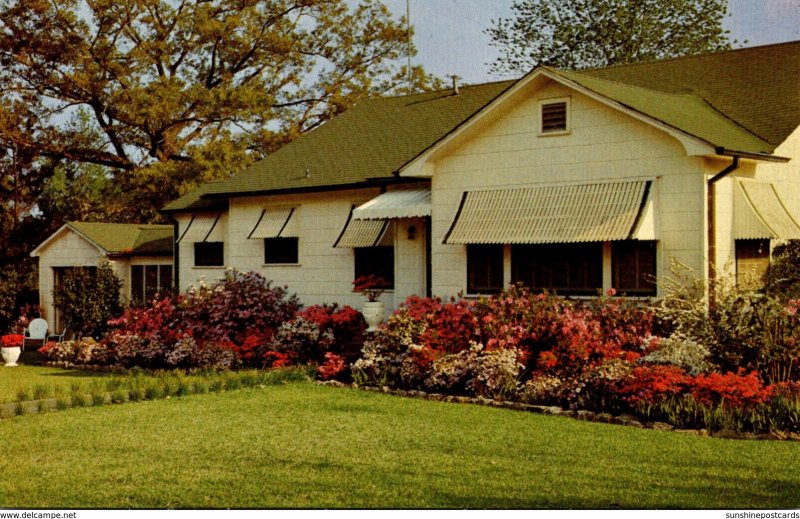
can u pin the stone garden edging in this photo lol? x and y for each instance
(625, 419)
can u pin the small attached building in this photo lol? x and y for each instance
(140, 255)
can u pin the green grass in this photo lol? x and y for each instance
(302, 445)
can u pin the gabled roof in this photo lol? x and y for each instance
(690, 113)
(756, 87)
(744, 100)
(119, 238)
(366, 144)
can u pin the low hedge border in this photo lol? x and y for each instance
(156, 389)
(625, 419)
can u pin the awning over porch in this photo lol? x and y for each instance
(361, 233)
(202, 228)
(759, 213)
(556, 214)
(274, 223)
(403, 203)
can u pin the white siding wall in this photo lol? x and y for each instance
(189, 274)
(324, 273)
(786, 178)
(603, 144)
(67, 250)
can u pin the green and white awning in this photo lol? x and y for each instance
(556, 214)
(274, 223)
(759, 213)
(361, 233)
(402, 203)
(203, 228)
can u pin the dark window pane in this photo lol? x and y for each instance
(281, 250)
(752, 262)
(209, 254)
(378, 261)
(137, 284)
(633, 267)
(566, 269)
(165, 278)
(150, 281)
(484, 269)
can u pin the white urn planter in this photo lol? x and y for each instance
(374, 312)
(10, 356)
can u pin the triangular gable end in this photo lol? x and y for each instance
(420, 165)
(35, 253)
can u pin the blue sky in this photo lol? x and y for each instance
(450, 36)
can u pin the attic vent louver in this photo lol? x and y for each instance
(554, 117)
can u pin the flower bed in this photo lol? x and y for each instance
(607, 355)
(597, 356)
(239, 322)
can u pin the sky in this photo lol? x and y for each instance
(450, 37)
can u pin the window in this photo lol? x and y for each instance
(280, 250)
(484, 269)
(633, 267)
(566, 269)
(209, 254)
(378, 261)
(752, 262)
(554, 116)
(149, 280)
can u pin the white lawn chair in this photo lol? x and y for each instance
(36, 332)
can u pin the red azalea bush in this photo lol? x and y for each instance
(449, 327)
(735, 390)
(649, 384)
(520, 319)
(345, 324)
(12, 340)
(333, 366)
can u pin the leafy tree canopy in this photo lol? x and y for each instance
(126, 84)
(576, 34)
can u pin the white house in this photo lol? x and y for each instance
(571, 181)
(140, 255)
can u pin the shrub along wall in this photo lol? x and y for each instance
(242, 321)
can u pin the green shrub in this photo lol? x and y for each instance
(682, 352)
(743, 330)
(88, 298)
(119, 396)
(23, 395)
(783, 275)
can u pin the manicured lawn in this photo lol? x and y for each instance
(27, 377)
(302, 445)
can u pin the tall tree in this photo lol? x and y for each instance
(163, 78)
(576, 34)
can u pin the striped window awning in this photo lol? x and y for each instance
(202, 229)
(274, 223)
(361, 233)
(556, 214)
(403, 203)
(759, 213)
